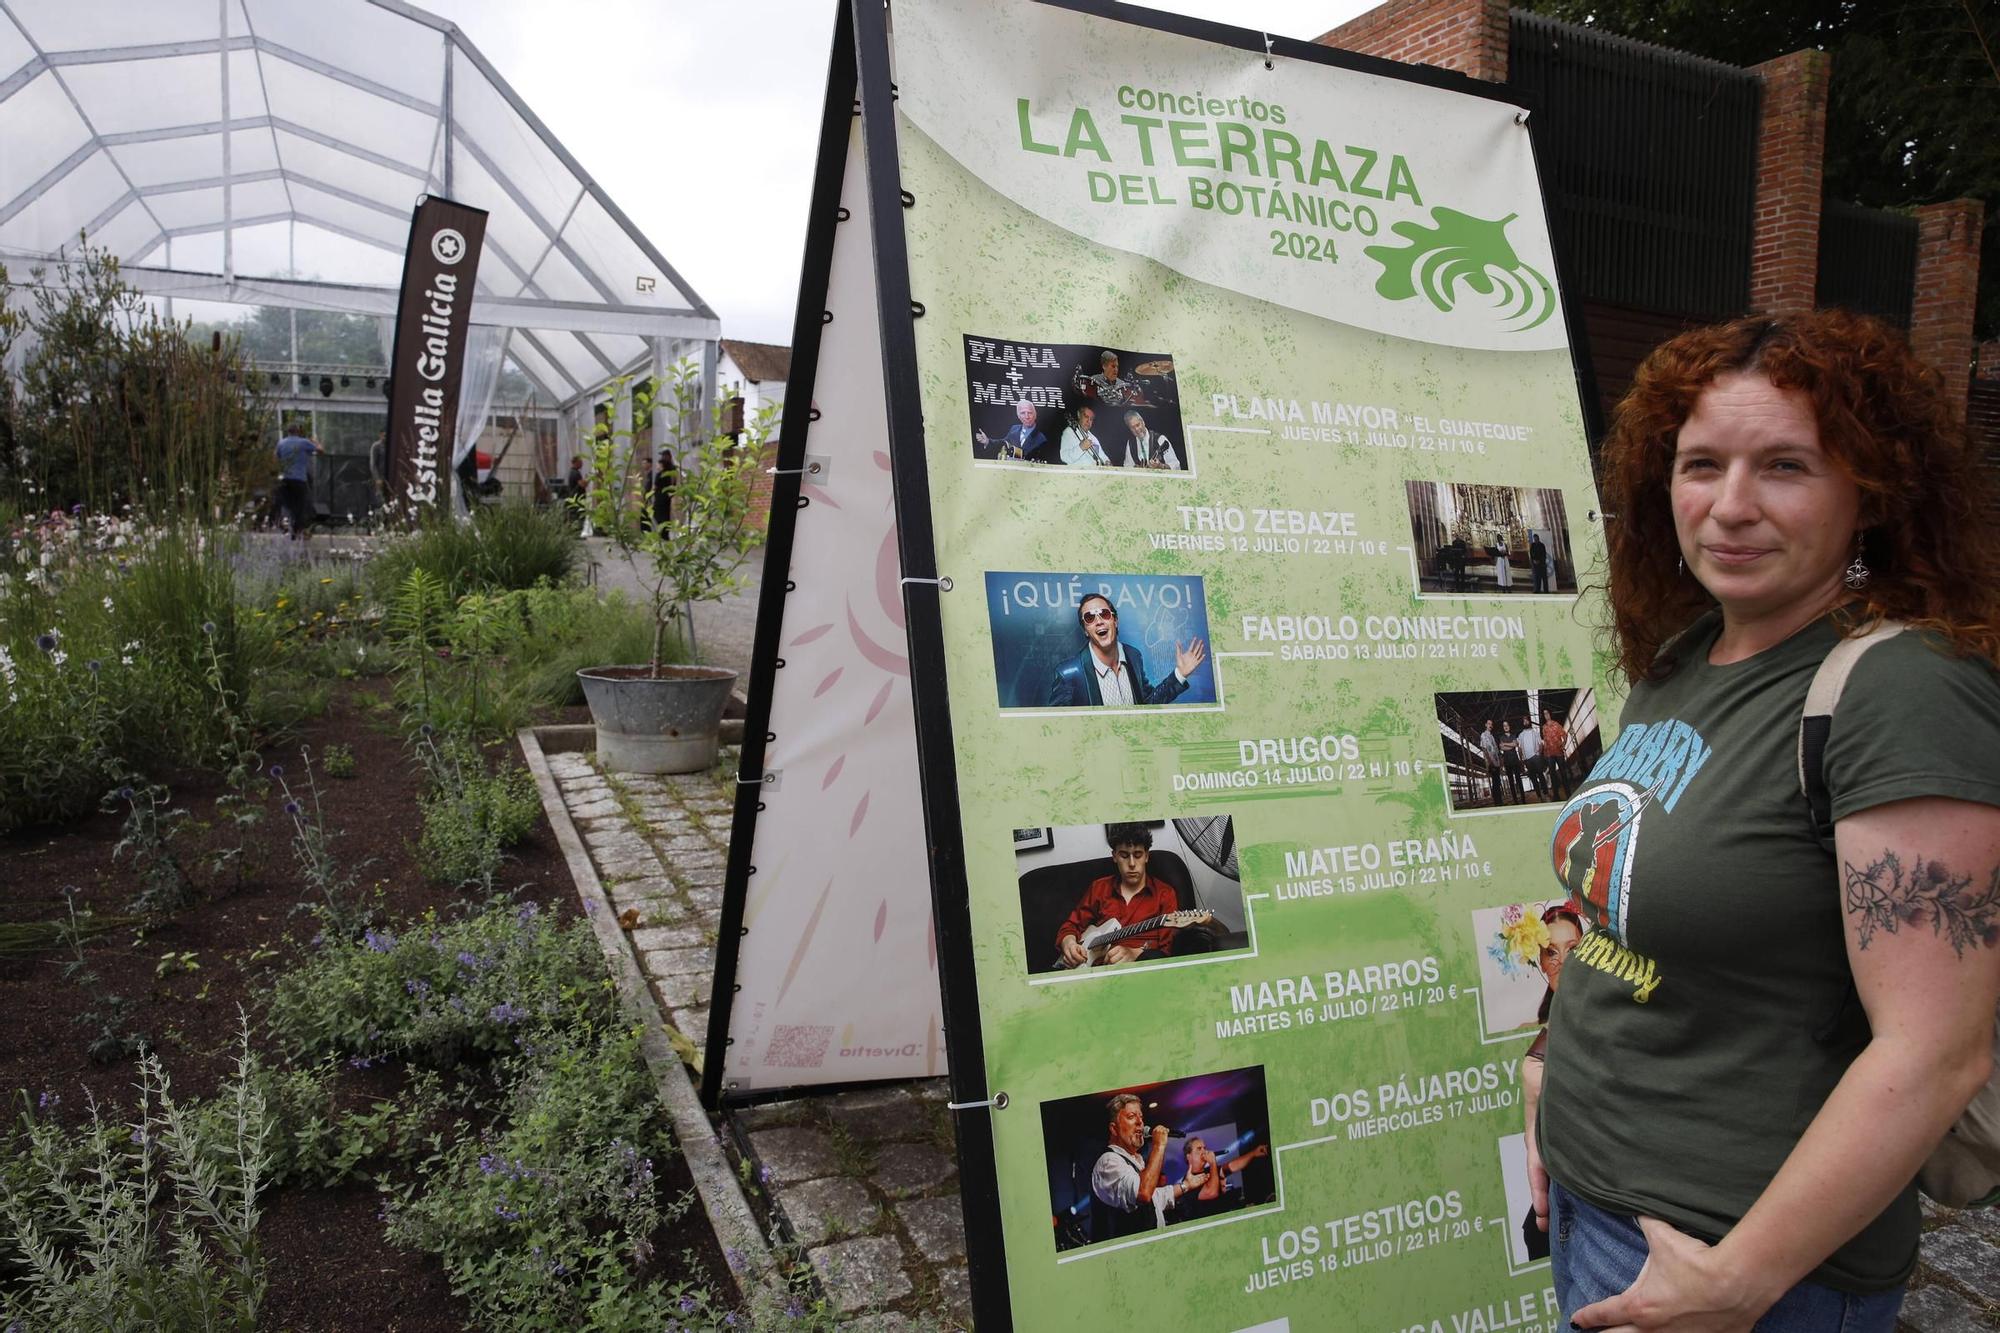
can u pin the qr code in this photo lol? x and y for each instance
(798, 1045)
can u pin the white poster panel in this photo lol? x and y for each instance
(838, 965)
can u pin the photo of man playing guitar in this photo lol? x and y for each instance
(1130, 915)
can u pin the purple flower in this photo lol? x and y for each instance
(360, 1062)
(687, 1305)
(208, 628)
(291, 807)
(380, 942)
(505, 1214)
(49, 1101)
(506, 1012)
(418, 987)
(487, 1165)
(93, 666)
(124, 793)
(467, 958)
(528, 911)
(46, 642)
(277, 770)
(735, 1258)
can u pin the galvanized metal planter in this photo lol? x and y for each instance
(668, 723)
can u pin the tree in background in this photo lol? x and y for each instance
(1913, 115)
(113, 405)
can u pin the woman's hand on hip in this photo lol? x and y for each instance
(1683, 1286)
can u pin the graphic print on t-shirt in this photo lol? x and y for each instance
(1597, 837)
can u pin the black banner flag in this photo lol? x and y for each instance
(429, 357)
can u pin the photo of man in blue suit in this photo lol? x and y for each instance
(1110, 673)
(1021, 440)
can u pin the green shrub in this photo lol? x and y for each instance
(120, 649)
(546, 1222)
(504, 547)
(439, 991)
(471, 816)
(144, 1226)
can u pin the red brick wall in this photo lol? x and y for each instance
(1469, 36)
(1947, 288)
(760, 487)
(1791, 153)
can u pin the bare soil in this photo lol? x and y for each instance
(329, 1266)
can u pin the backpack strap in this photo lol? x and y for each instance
(1816, 721)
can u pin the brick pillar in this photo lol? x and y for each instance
(1791, 162)
(1469, 36)
(1947, 288)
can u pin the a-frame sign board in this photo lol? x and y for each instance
(1224, 392)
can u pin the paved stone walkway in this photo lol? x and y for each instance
(862, 1183)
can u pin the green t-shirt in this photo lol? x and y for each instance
(1707, 1013)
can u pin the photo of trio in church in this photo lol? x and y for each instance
(1485, 541)
(1077, 406)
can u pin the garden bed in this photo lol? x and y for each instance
(185, 978)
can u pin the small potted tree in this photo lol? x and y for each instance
(661, 717)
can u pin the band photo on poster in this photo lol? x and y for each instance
(1516, 747)
(1152, 1157)
(1076, 406)
(1124, 642)
(1108, 899)
(1522, 949)
(1473, 540)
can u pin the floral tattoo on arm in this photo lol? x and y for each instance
(1888, 895)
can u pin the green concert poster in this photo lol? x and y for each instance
(1257, 464)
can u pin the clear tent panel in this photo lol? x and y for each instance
(373, 44)
(488, 129)
(124, 95)
(47, 215)
(339, 116)
(40, 128)
(65, 25)
(387, 129)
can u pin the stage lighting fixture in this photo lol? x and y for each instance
(326, 386)
(344, 381)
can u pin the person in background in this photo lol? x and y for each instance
(1538, 561)
(295, 455)
(663, 489)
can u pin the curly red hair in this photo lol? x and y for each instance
(1884, 417)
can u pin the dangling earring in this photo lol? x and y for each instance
(1683, 568)
(1856, 576)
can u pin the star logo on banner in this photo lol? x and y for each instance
(448, 246)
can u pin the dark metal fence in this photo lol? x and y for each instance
(1649, 163)
(1868, 260)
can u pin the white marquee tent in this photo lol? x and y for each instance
(220, 148)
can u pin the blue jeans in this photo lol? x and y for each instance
(1596, 1254)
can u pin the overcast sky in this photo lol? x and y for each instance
(699, 118)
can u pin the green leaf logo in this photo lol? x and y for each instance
(1463, 253)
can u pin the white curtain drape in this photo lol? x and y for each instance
(485, 353)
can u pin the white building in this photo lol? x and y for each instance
(755, 371)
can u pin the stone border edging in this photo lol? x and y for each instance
(714, 1179)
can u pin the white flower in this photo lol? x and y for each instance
(131, 647)
(126, 660)
(59, 657)
(107, 604)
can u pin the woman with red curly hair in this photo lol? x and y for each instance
(1767, 1026)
